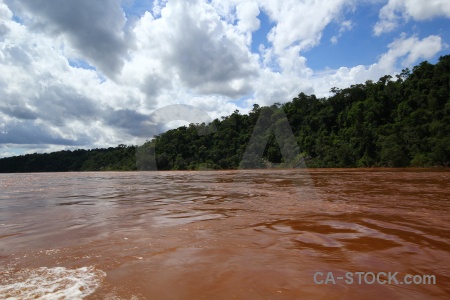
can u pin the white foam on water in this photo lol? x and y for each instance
(50, 283)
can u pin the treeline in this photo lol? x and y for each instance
(394, 122)
(120, 158)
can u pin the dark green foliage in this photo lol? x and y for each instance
(393, 122)
(120, 158)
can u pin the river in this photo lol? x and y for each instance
(247, 234)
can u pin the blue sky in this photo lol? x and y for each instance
(87, 74)
(357, 46)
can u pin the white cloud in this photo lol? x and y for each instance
(300, 22)
(271, 87)
(247, 13)
(95, 33)
(46, 101)
(405, 50)
(409, 51)
(397, 11)
(157, 6)
(193, 48)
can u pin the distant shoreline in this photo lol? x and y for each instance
(344, 169)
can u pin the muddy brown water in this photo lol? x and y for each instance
(248, 234)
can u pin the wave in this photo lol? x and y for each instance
(50, 283)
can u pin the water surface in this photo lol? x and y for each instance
(223, 234)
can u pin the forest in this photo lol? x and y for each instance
(394, 122)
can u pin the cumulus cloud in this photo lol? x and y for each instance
(192, 45)
(300, 22)
(93, 28)
(274, 87)
(47, 101)
(31, 132)
(44, 100)
(157, 6)
(247, 14)
(397, 11)
(410, 50)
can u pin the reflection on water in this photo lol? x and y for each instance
(224, 234)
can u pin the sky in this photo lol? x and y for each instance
(91, 74)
